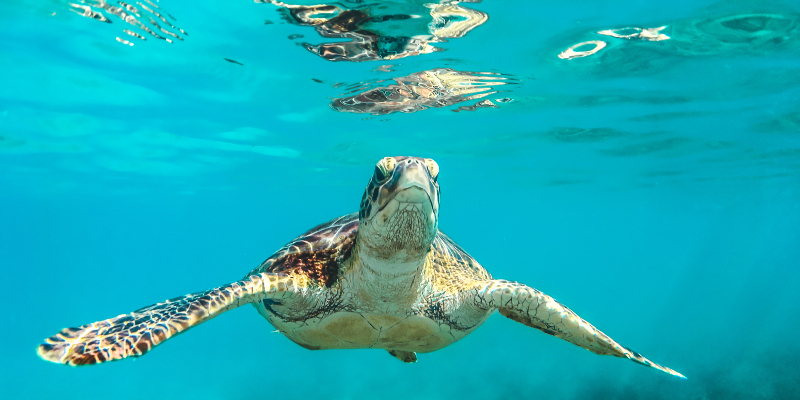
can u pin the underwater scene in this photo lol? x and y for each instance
(633, 165)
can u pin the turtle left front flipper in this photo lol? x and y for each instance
(134, 334)
(533, 308)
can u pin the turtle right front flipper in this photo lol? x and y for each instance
(533, 308)
(134, 334)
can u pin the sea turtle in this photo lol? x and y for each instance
(383, 278)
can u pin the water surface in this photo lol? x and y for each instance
(653, 186)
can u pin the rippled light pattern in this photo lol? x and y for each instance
(591, 47)
(132, 15)
(651, 34)
(436, 88)
(751, 33)
(381, 30)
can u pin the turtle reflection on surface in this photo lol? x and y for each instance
(384, 30)
(438, 87)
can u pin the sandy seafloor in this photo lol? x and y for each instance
(653, 187)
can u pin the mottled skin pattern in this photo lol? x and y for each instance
(132, 335)
(383, 278)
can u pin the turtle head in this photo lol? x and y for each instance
(399, 214)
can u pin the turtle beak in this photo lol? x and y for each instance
(413, 184)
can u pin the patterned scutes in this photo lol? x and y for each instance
(317, 254)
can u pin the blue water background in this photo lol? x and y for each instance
(129, 175)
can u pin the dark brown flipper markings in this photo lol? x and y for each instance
(134, 334)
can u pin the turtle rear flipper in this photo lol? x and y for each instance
(404, 356)
(134, 334)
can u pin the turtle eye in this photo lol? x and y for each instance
(433, 168)
(384, 169)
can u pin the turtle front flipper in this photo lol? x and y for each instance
(533, 308)
(134, 334)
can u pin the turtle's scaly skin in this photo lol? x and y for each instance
(132, 335)
(383, 278)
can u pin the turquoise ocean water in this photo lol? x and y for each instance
(652, 186)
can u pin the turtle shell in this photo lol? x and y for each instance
(318, 253)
